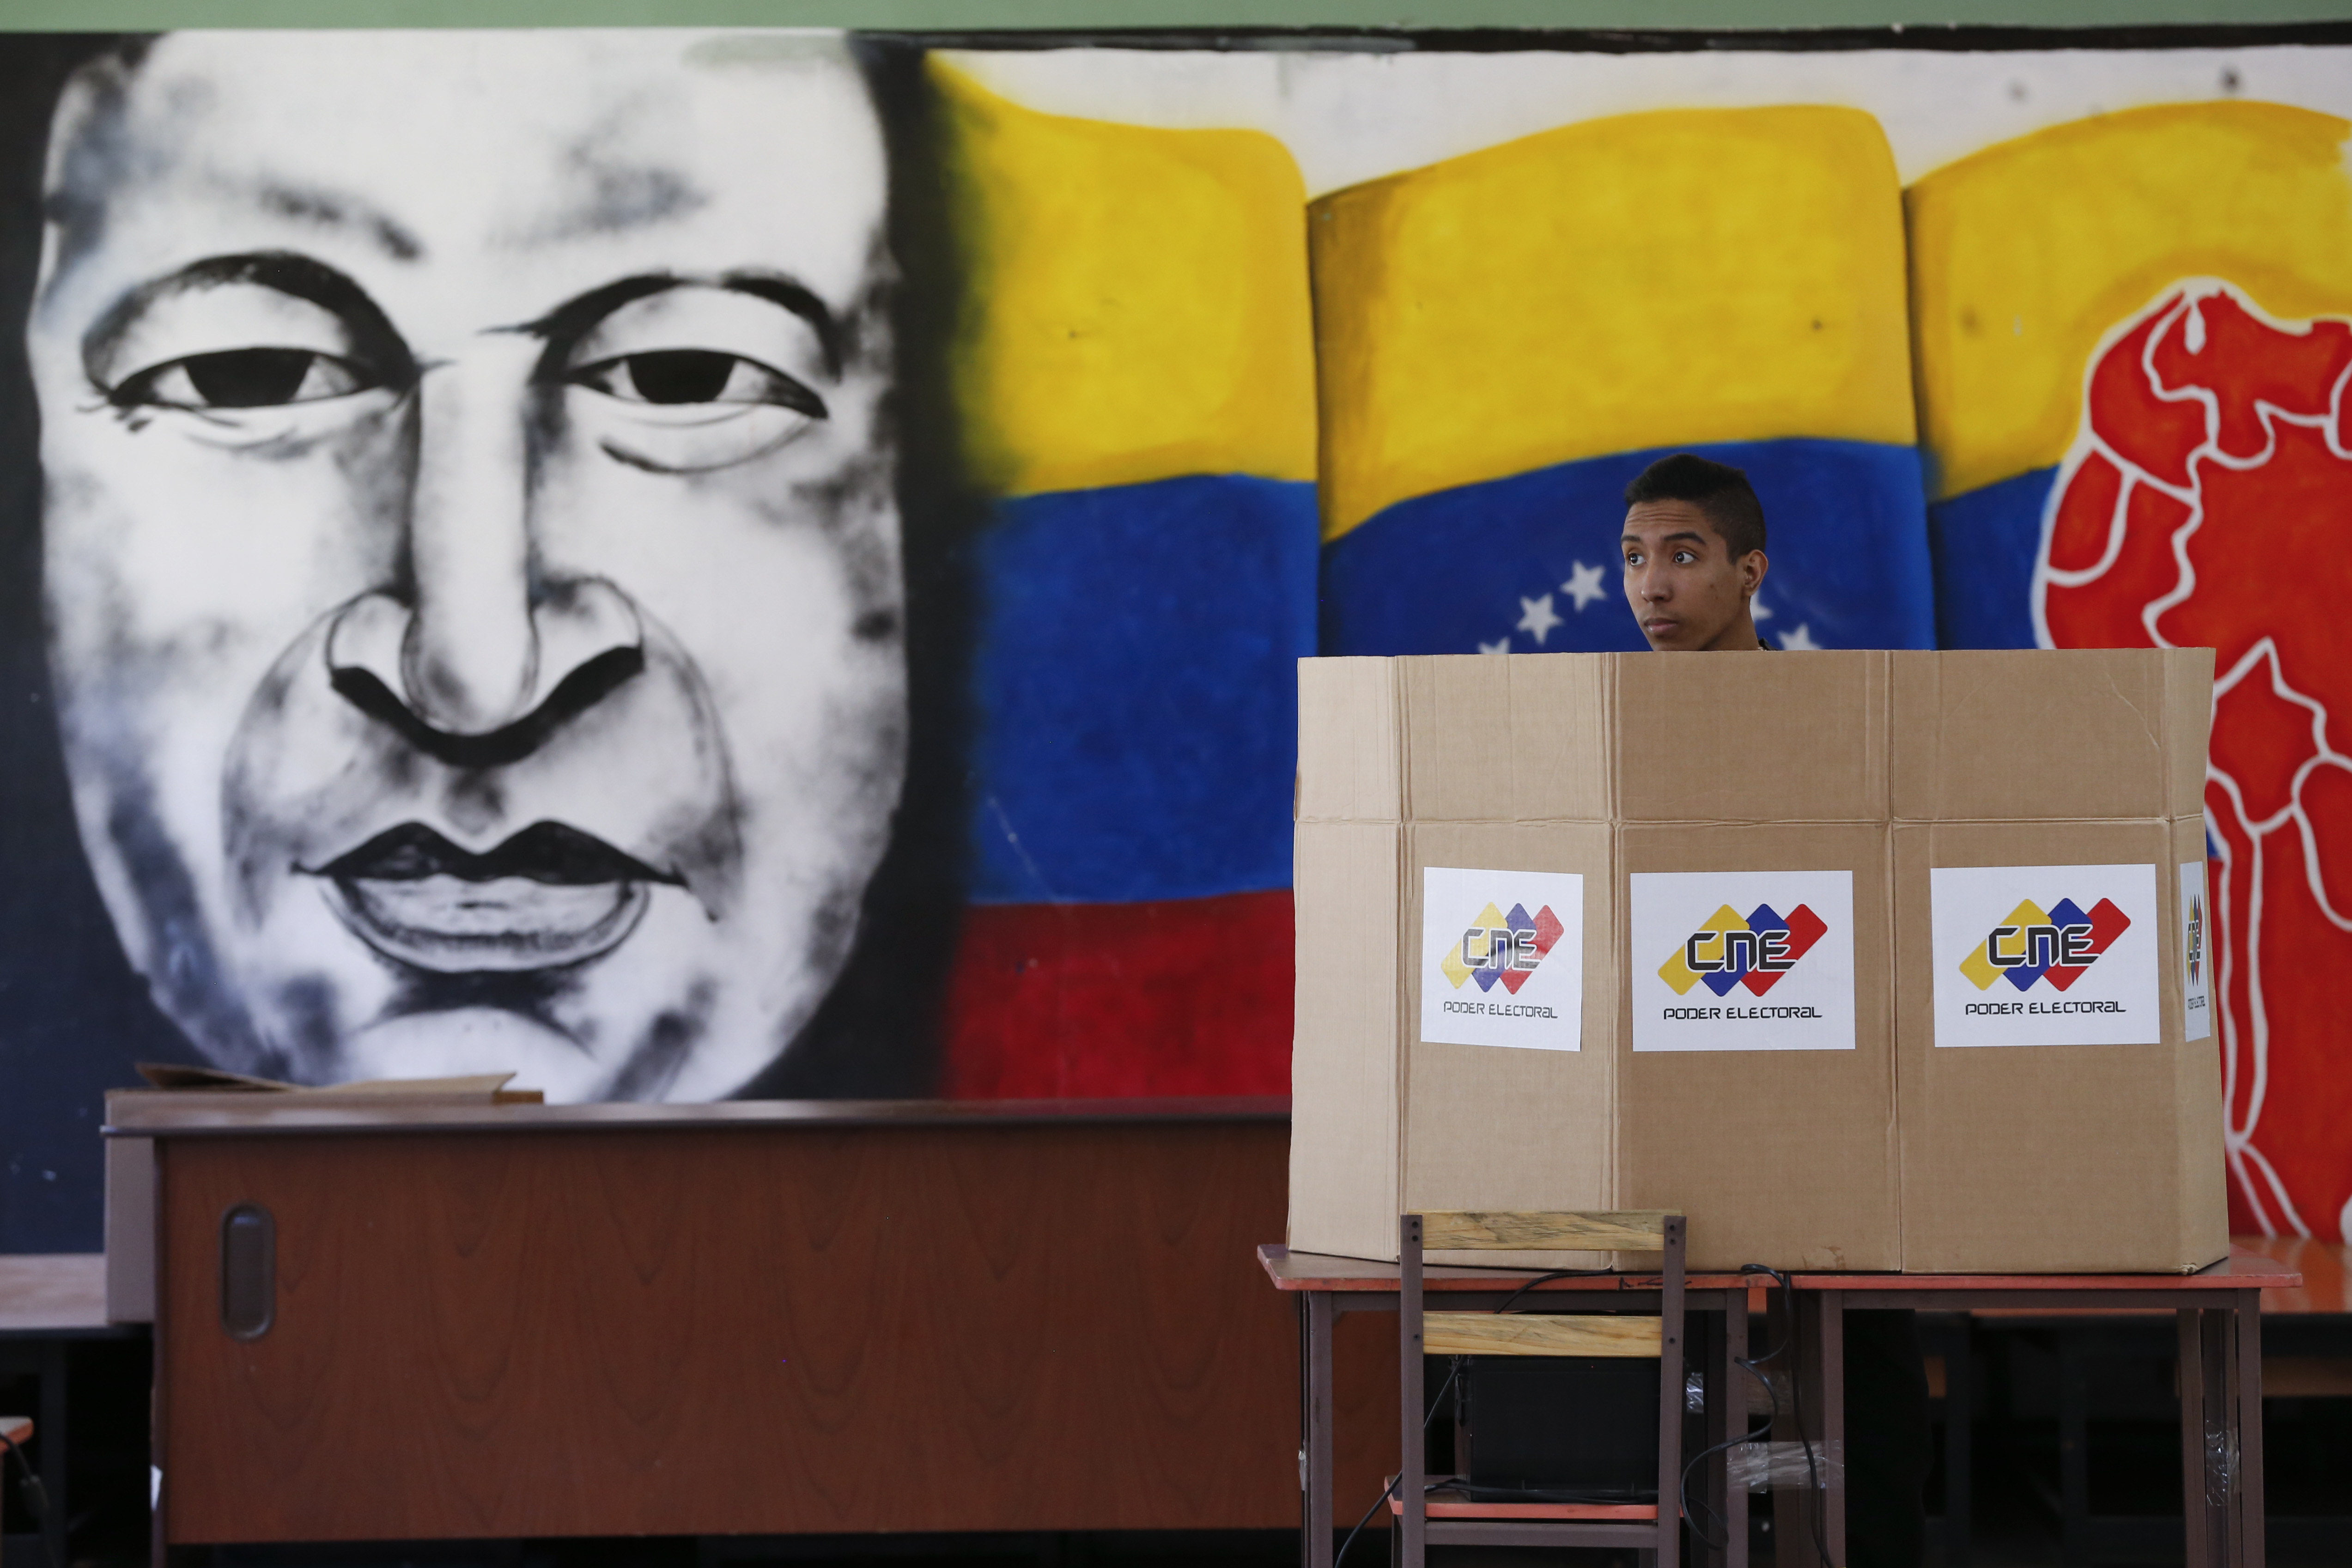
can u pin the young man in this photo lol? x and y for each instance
(1695, 556)
(1694, 545)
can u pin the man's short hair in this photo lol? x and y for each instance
(1719, 490)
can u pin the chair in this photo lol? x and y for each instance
(1653, 1528)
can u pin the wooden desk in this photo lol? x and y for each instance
(2219, 1318)
(734, 1319)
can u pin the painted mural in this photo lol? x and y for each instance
(703, 564)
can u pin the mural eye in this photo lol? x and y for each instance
(679, 378)
(244, 378)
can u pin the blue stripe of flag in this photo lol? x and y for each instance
(1517, 561)
(1136, 689)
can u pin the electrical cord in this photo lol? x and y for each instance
(1512, 1300)
(1789, 1346)
(36, 1495)
(1341, 1558)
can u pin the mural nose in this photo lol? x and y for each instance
(575, 625)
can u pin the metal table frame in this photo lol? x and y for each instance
(2218, 1320)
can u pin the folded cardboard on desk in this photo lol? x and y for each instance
(1864, 961)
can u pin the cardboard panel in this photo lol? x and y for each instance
(1344, 1062)
(2199, 1120)
(1563, 745)
(2044, 1157)
(1350, 767)
(1457, 737)
(2026, 734)
(2188, 727)
(1751, 738)
(1780, 1157)
(1553, 1110)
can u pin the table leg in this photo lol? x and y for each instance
(1829, 1314)
(1315, 1457)
(2190, 1363)
(1734, 1380)
(2074, 1449)
(1792, 1530)
(1960, 1385)
(2246, 1425)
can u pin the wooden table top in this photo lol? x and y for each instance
(52, 1292)
(1317, 1271)
(2244, 1268)
(217, 1114)
(2324, 1266)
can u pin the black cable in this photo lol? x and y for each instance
(1512, 1300)
(1792, 1341)
(1751, 1365)
(1387, 1493)
(1390, 1491)
(36, 1496)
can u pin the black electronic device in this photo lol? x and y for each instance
(1558, 1428)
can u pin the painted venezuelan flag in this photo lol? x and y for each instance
(1133, 371)
(2135, 345)
(1505, 339)
(2026, 258)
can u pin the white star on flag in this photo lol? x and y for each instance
(1538, 620)
(1756, 608)
(1503, 647)
(1800, 641)
(1583, 585)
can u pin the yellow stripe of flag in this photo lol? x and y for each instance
(2024, 256)
(1134, 301)
(1673, 278)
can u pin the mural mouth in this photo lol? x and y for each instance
(547, 897)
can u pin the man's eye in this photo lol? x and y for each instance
(677, 377)
(244, 378)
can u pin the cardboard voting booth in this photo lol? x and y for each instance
(1863, 960)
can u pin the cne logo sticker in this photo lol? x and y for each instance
(2196, 977)
(2030, 948)
(1501, 949)
(1515, 979)
(1778, 977)
(2014, 967)
(1754, 950)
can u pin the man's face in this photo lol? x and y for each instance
(472, 558)
(1687, 592)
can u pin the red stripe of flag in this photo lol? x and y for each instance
(1188, 996)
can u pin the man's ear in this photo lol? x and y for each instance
(1752, 567)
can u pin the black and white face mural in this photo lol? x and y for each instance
(471, 550)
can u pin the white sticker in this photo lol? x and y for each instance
(1743, 961)
(2196, 954)
(1502, 958)
(2045, 955)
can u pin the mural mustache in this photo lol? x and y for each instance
(536, 844)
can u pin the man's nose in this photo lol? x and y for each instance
(483, 639)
